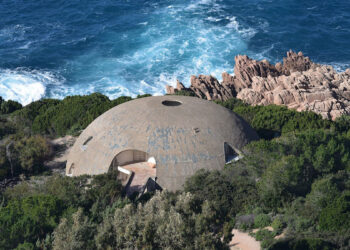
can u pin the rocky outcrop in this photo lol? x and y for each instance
(297, 83)
(205, 87)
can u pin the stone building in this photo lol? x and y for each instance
(165, 138)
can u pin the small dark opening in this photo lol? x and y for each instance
(230, 153)
(87, 140)
(171, 103)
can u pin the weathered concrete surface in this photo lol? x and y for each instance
(182, 138)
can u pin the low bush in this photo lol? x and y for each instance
(277, 225)
(336, 216)
(272, 120)
(262, 220)
(302, 244)
(7, 107)
(23, 155)
(28, 219)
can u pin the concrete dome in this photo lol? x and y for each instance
(177, 134)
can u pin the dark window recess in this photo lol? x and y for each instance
(87, 140)
(196, 130)
(230, 153)
(70, 171)
(171, 103)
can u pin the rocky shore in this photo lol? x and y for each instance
(297, 83)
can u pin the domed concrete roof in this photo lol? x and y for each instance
(183, 134)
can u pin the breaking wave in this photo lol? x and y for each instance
(136, 47)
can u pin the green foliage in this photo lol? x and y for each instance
(227, 232)
(32, 152)
(26, 115)
(278, 225)
(25, 246)
(23, 155)
(282, 181)
(28, 219)
(226, 196)
(69, 116)
(144, 95)
(158, 224)
(264, 234)
(262, 220)
(342, 123)
(336, 216)
(302, 244)
(7, 107)
(10, 106)
(75, 234)
(185, 93)
(6, 127)
(324, 191)
(272, 120)
(288, 165)
(120, 100)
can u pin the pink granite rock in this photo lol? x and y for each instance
(298, 83)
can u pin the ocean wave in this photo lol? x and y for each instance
(24, 85)
(244, 32)
(14, 33)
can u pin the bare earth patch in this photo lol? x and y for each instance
(243, 241)
(61, 147)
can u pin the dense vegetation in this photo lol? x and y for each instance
(27, 129)
(295, 179)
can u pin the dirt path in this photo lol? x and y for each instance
(243, 241)
(61, 147)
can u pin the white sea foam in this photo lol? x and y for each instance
(14, 32)
(244, 32)
(171, 46)
(25, 85)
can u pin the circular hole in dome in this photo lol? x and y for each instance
(171, 103)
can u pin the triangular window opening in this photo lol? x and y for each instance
(230, 154)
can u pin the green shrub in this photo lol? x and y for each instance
(144, 95)
(6, 127)
(226, 196)
(7, 107)
(336, 216)
(277, 225)
(323, 192)
(27, 114)
(302, 244)
(264, 234)
(185, 93)
(282, 181)
(272, 120)
(5, 168)
(342, 123)
(120, 100)
(73, 114)
(25, 246)
(32, 152)
(28, 219)
(262, 220)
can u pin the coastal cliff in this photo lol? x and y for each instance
(297, 83)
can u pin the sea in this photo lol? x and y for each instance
(56, 48)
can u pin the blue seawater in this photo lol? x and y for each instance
(55, 48)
